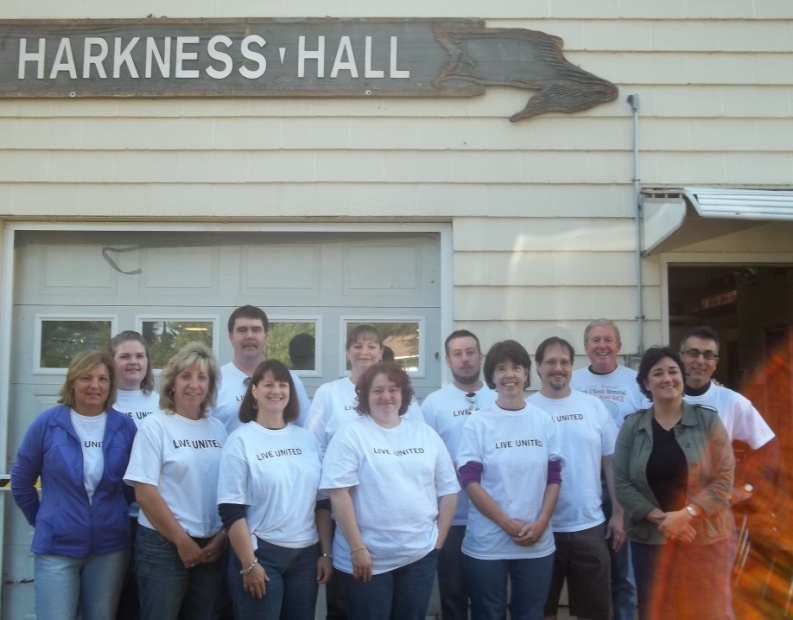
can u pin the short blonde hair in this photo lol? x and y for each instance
(191, 354)
(81, 364)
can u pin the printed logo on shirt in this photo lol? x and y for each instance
(197, 444)
(263, 456)
(92, 444)
(141, 415)
(607, 393)
(569, 417)
(519, 443)
(466, 411)
(400, 452)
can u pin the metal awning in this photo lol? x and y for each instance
(674, 217)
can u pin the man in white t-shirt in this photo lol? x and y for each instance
(699, 350)
(248, 332)
(615, 385)
(586, 435)
(446, 410)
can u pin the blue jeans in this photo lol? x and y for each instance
(452, 582)
(623, 584)
(62, 584)
(530, 582)
(401, 594)
(291, 592)
(166, 586)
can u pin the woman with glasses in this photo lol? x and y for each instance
(509, 464)
(673, 470)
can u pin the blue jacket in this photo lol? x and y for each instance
(66, 523)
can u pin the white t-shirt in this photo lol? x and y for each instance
(514, 448)
(447, 410)
(91, 431)
(276, 473)
(742, 420)
(334, 405)
(231, 391)
(181, 457)
(137, 405)
(617, 390)
(397, 475)
(586, 434)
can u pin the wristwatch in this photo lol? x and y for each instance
(692, 511)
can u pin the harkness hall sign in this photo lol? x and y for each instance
(290, 58)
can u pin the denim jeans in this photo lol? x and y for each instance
(530, 580)
(452, 582)
(93, 583)
(291, 592)
(623, 584)
(166, 586)
(401, 594)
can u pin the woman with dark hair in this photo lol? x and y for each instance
(267, 498)
(135, 394)
(80, 449)
(174, 469)
(510, 466)
(673, 469)
(136, 398)
(394, 491)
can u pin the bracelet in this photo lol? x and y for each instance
(361, 548)
(326, 555)
(245, 571)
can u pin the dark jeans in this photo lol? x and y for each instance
(623, 587)
(401, 594)
(530, 582)
(452, 582)
(290, 593)
(165, 585)
(128, 600)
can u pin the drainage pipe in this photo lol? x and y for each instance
(633, 101)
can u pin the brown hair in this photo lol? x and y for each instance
(147, 385)
(395, 373)
(81, 364)
(249, 407)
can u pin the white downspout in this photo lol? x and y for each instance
(633, 101)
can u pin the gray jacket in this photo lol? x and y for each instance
(708, 450)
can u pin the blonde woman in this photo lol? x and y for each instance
(174, 469)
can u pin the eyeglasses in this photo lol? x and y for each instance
(695, 353)
(471, 398)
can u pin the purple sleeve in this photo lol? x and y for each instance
(470, 472)
(555, 472)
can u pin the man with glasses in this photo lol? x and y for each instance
(587, 435)
(447, 410)
(700, 352)
(248, 333)
(615, 385)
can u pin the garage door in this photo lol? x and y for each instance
(73, 290)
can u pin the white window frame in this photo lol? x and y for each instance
(209, 318)
(41, 318)
(316, 319)
(390, 318)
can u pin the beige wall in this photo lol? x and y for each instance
(541, 210)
